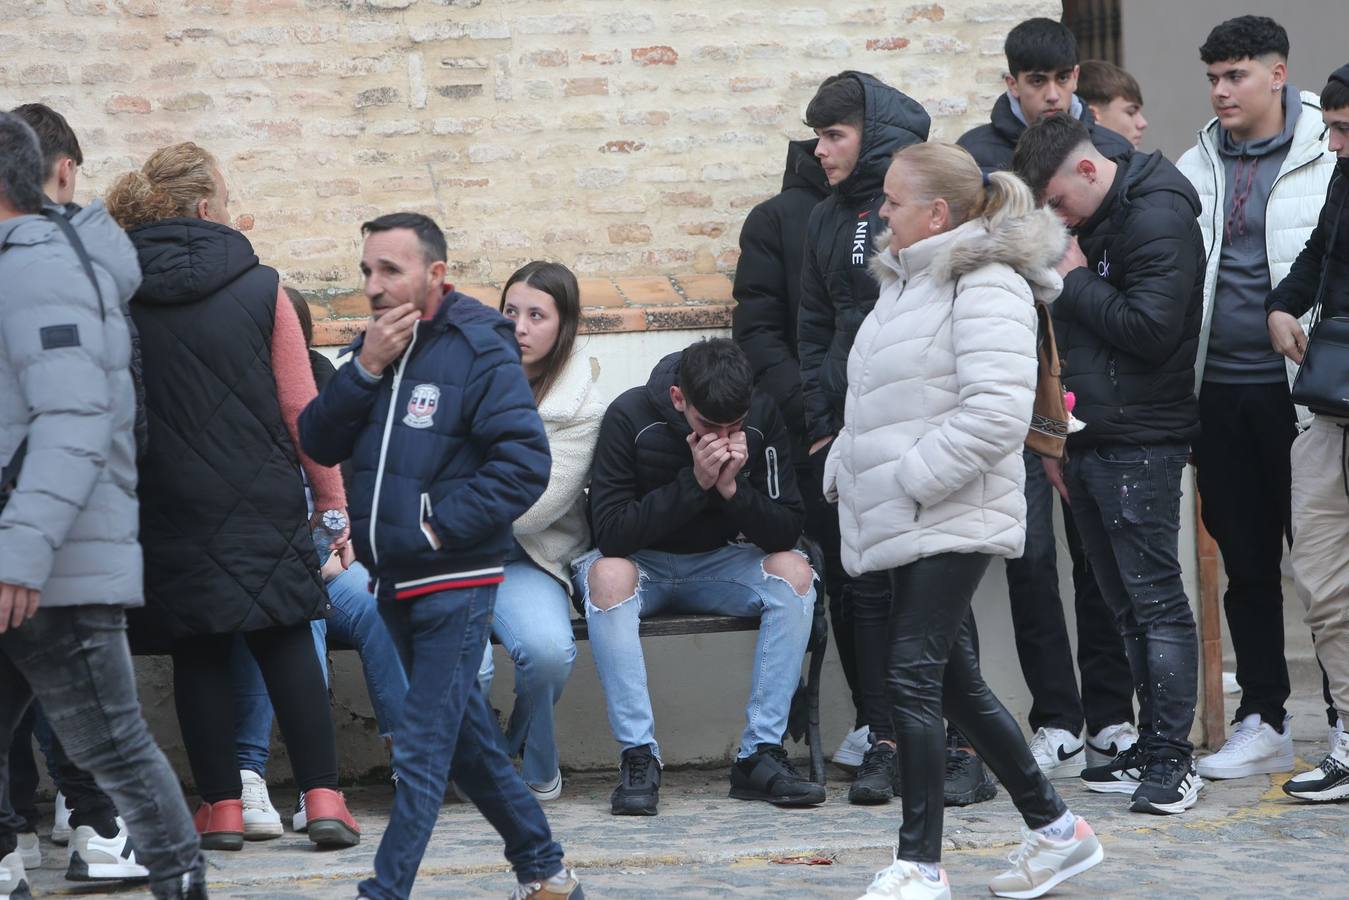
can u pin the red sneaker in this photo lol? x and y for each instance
(221, 825)
(330, 824)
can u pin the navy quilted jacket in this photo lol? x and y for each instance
(447, 450)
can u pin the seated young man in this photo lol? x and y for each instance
(695, 509)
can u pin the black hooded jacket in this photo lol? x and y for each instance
(993, 143)
(224, 524)
(1128, 322)
(644, 496)
(768, 286)
(1321, 270)
(837, 291)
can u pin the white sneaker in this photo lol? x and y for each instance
(30, 850)
(1334, 735)
(1253, 749)
(904, 881)
(855, 745)
(550, 791)
(1059, 753)
(1041, 864)
(261, 820)
(13, 878)
(299, 821)
(1327, 782)
(61, 827)
(1109, 742)
(96, 858)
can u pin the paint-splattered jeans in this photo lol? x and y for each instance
(728, 581)
(1126, 501)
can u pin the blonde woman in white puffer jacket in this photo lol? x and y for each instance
(929, 479)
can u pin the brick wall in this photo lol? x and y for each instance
(620, 138)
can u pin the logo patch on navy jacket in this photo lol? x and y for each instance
(54, 337)
(422, 406)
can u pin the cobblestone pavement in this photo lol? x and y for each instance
(1243, 840)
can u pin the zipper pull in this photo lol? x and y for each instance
(917, 511)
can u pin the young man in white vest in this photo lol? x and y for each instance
(1260, 167)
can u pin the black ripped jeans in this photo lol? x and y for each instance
(934, 671)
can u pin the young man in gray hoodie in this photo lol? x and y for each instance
(69, 559)
(1260, 168)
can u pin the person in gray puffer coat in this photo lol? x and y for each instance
(69, 559)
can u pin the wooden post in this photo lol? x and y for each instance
(1210, 634)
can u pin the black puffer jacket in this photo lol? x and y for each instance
(1322, 268)
(837, 291)
(1128, 322)
(224, 523)
(993, 143)
(643, 495)
(768, 286)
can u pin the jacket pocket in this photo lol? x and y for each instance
(424, 520)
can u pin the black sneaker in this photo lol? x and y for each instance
(638, 791)
(966, 780)
(875, 779)
(767, 774)
(1170, 785)
(1122, 775)
(1328, 782)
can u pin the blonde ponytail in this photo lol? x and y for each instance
(949, 172)
(171, 183)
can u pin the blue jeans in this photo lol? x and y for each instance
(532, 621)
(448, 727)
(728, 581)
(75, 661)
(353, 618)
(1126, 501)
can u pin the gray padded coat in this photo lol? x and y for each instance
(69, 529)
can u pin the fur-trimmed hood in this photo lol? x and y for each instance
(1031, 245)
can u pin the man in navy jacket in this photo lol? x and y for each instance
(448, 449)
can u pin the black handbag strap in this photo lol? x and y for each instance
(1325, 263)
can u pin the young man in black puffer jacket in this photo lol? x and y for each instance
(1128, 328)
(695, 509)
(1041, 80)
(859, 123)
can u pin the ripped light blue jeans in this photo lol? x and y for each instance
(728, 581)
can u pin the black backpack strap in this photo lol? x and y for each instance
(9, 477)
(73, 237)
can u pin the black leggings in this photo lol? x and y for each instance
(204, 695)
(934, 668)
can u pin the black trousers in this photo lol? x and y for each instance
(204, 696)
(88, 804)
(822, 528)
(934, 670)
(1245, 482)
(1041, 632)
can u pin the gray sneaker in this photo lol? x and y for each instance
(1042, 864)
(562, 886)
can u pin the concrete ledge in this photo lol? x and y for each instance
(610, 306)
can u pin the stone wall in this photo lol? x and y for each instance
(620, 138)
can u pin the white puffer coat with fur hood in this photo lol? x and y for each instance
(941, 380)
